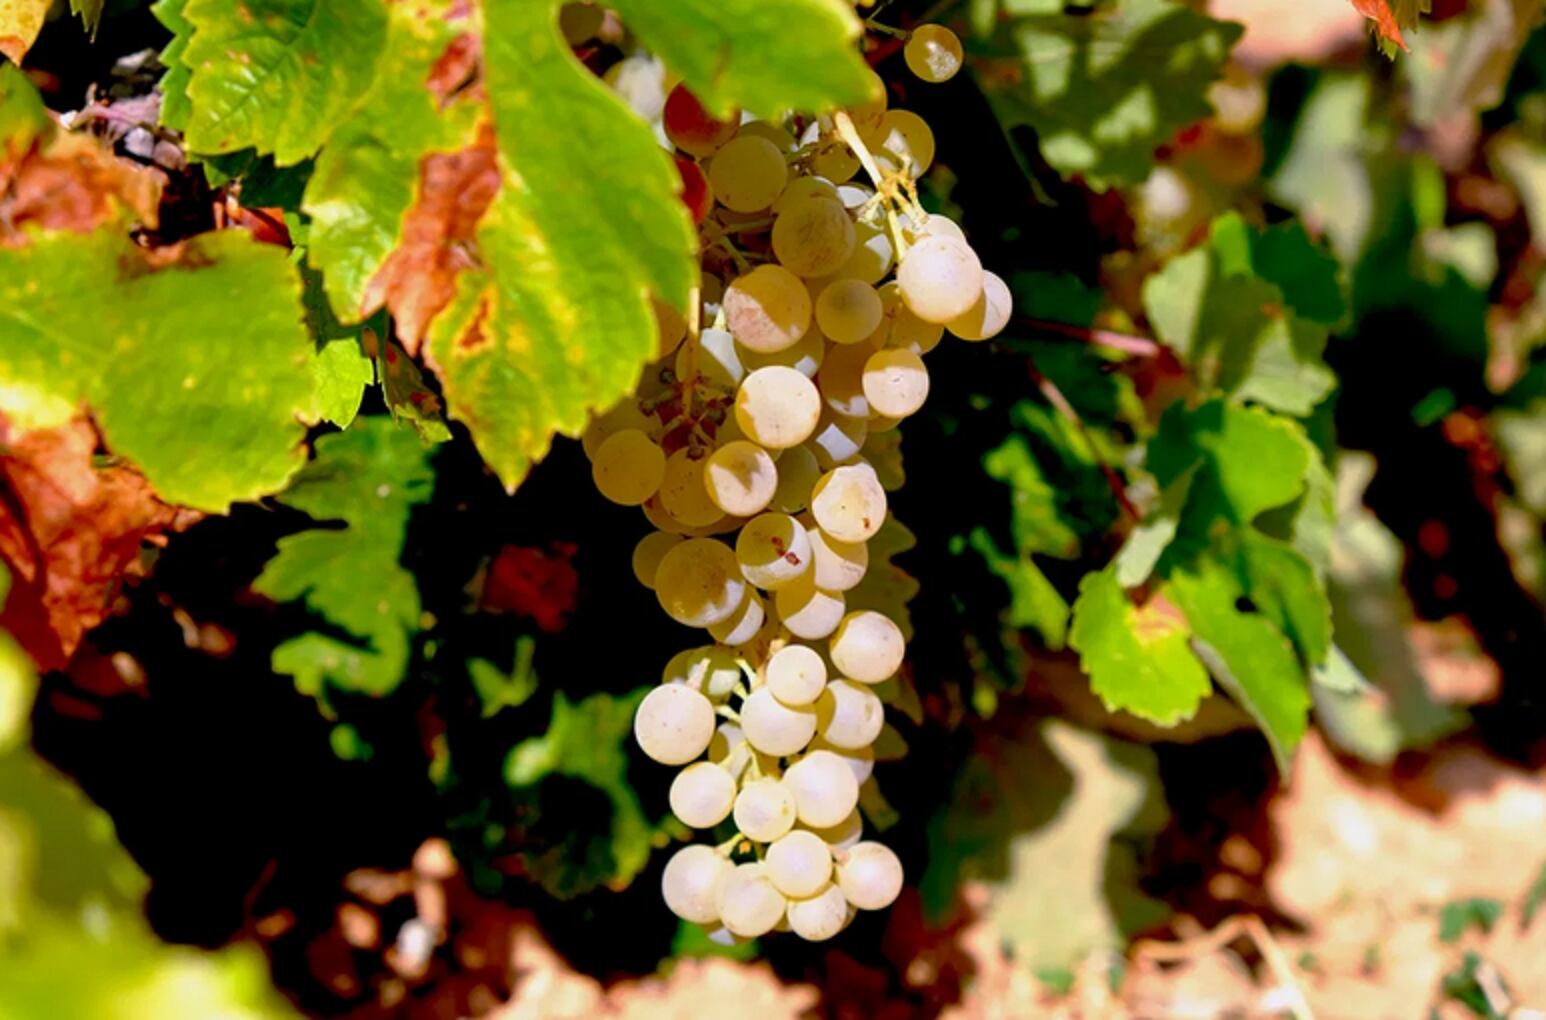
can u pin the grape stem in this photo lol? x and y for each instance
(726, 712)
(883, 186)
(728, 846)
(896, 33)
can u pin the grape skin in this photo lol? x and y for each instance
(849, 503)
(778, 407)
(799, 864)
(740, 478)
(849, 716)
(702, 795)
(764, 810)
(813, 236)
(699, 582)
(820, 916)
(773, 550)
(796, 675)
(825, 790)
(940, 278)
(775, 728)
(674, 724)
(808, 611)
(768, 309)
(692, 883)
(870, 875)
(651, 549)
(749, 904)
(933, 53)
(868, 647)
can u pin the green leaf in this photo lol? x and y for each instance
(1247, 460)
(1323, 174)
(199, 372)
(1147, 542)
(498, 688)
(1035, 516)
(277, 75)
(587, 741)
(1248, 656)
(1284, 587)
(1138, 660)
(1456, 917)
(342, 372)
(1104, 89)
(1059, 855)
(1535, 897)
(766, 56)
(23, 117)
(368, 479)
(1033, 601)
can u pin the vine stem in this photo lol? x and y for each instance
(1138, 346)
(1061, 404)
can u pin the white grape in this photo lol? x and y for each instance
(845, 833)
(693, 881)
(848, 310)
(683, 492)
(802, 188)
(849, 503)
(775, 728)
(699, 582)
(740, 478)
(868, 647)
(782, 140)
(628, 467)
(768, 309)
(709, 668)
(764, 810)
(773, 549)
(747, 173)
(819, 916)
(872, 256)
(718, 361)
(702, 795)
(901, 328)
(625, 415)
(841, 379)
(799, 864)
(933, 53)
(829, 156)
(870, 875)
(904, 137)
(854, 195)
(749, 904)
(895, 382)
(804, 356)
(837, 440)
(798, 470)
(942, 226)
(849, 715)
(989, 315)
(825, 790)
(838, 565)
(940, 278)
(640, 80)
(743, 624)
(860, 760)
(797, 675)
(808, 611)
(813, 236)
(777, 407)
(674, 724)
(651, 549)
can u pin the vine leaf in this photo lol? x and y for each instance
(369, 478)
(1390, 17)
(1138, 658)
(586, 741)
(20, 23)
(1104, 88)
(1247, 460)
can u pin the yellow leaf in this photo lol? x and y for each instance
(20, 22)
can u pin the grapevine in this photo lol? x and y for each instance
(745, 446)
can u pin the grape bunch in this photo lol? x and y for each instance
(747, 446)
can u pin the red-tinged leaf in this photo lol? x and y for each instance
(72, 182)
(438, 239)
(1384, 19)
(538, 583)
(71, 532)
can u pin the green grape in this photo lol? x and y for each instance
(628, 468)
(933, 53)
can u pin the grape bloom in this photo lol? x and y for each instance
(745, 447)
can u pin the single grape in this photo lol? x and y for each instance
(692, 128)
(868, 647)
(740, 478)
(870, 875)
(702, 795)
(684, 493)
(718, 360)
(699, 582)
(749, 904)
(940, 278)
(848, 311)
(860, 760)
(807, 611)
(697, 195)
(895, 382)
(841, 379)
(675, 723)
(837, 440)
(618, 418)
(743, 624)
(799, 864)
(813, 236)
(819, 916)
(796, 675)
(849, 503)
(628, 467)
(747, 173)
(798, 470)
(829, 156)
(837, 565)
(777, 407)
(764, 810)
(802, 188)
(804, 356)
(872, 256)
(989, 315)
(903, 330)
(775, 728)
(845, 833)
(782, 140)
(849, 715)
(941, 225)
(774, 550)
(904, 138)
(670, 328)
(647, 555)
(768, 309)
(933, 53)
(693, 881)
(824, 789)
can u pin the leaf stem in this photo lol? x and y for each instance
(1138, 346)
(1061, 404)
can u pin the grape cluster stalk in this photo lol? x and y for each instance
(745, 445)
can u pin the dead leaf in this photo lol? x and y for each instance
(439, 237)
(71, 531)
(73, 182)
(1386, 23)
